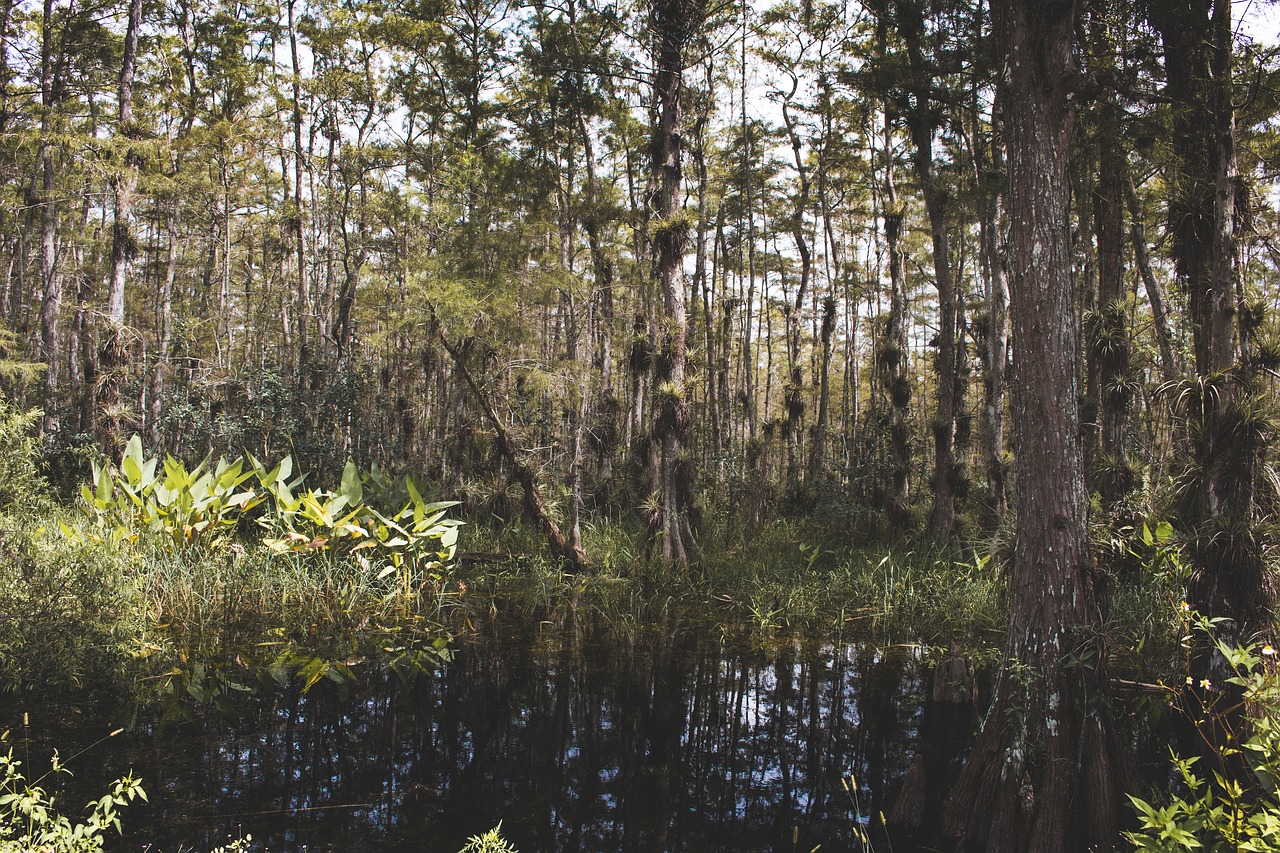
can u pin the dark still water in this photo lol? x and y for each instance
(576, 740)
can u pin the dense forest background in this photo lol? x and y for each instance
(913, 272)
(440, 236)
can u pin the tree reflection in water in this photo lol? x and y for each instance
(575, 739)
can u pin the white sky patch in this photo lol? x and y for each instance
(1258, 21)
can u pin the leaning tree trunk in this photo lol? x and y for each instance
(510, 450)
(1170, 364)
(673, 23)
(1043, 773)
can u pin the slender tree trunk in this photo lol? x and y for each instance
(1042, 775)
(703, 281)
(50, 274)
(123, 242)
(997, 350)
(893, 357)
(304, 310)
(673, 23)
(794, 390)
(1110, 338)
(748, 391)
(922, 121)
(818, 448)
(6, 14)
(1170, 364)
(163, 346)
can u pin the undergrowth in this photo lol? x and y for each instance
(785, 577)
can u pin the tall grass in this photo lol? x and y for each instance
(787, 576)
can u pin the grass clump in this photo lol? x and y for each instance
(788, 576)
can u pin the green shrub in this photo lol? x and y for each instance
(22, 489)
(70, 613)
(30, 820)
(1214, 813)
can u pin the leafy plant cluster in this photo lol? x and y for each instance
(1218, 811)
(30, 819)
(204, 504)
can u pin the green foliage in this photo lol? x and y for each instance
(1149, 570)
(491, 842)
(417, 538)
(22, 489)
(184, 507)
(30, 820)
(1215, 813)
(198, 507)
(12, 370)
(71, 613)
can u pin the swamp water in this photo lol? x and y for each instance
(576, 739)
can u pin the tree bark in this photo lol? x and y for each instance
(560, 546)
(672, 24)
(123, 244)
(50, 274)
(1043, 773)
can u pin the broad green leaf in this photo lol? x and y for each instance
(351, 488)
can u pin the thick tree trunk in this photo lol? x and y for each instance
(1043, 774)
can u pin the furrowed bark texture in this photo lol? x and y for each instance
(1044, 772)
(673, 23)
